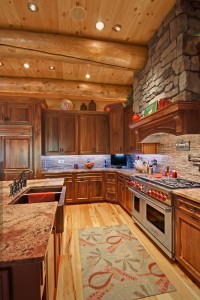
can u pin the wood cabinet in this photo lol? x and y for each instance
(177, 118)
(125, 197)
(89, 187)
(15, 113)
(128, 132)
(188, 236)
(93, 133)
(33, 281)
(59, 133)
(16, 154)
(116, 130)
(111, 186)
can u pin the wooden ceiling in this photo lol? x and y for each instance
(62, 34)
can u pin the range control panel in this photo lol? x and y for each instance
(152, 191)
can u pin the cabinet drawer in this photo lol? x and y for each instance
(84, 176)
(111, 196)
(111, 177)
(189, 207)
(121, 179)
(111, 187)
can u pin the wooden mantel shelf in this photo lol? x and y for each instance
(178, 118)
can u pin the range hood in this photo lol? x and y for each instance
(178, 118)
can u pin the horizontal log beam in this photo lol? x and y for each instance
(70, 49)
(60, 89)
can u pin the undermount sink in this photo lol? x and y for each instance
(59, 196)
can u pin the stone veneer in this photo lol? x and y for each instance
(172, 68)
(175, 159)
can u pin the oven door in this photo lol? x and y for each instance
(158, 220)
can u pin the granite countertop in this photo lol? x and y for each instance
(124, 171)
(26, 232)
(5, 190)
(25, 228)
(191, 194)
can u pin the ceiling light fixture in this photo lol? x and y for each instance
(33, 7)
(1, 64)
(51, 67)
(87, 75)
(99, 25)
(26, 66)
(117, 27)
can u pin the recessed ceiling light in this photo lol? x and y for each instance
(99, 25)
(33, 7)
(1, 64)
(87, 76)
(26, 66)
(51, 67)
(117, 27)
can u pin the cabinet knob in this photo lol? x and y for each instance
(192, 209)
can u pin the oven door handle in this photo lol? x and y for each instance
(164, 207)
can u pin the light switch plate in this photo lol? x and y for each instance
(61, 161)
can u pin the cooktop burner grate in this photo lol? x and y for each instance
(171, 183)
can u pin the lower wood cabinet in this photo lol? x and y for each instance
(110, 186)
(89, 187)
(188, 236)
(125, 197)
(33, 281)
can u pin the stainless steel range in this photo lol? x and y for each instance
(153, 207)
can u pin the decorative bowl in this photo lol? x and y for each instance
(89, 165)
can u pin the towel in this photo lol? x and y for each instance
(41, 197)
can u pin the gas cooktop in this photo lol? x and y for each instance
(170, 183)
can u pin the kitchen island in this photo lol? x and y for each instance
(28, 252)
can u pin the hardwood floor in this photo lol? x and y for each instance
(105, 214)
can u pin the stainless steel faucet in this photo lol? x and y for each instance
(23, 178)
(17, 185)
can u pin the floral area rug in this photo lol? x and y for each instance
(115, 266)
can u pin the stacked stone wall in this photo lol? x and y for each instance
(172, 68)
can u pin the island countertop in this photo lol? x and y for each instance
(4, 187)
(25, 228)
(25, 232)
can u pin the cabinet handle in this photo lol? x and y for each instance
(192, 209)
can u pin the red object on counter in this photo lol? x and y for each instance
(174, 174)
(41, 197)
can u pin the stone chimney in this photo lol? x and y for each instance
(172, 68)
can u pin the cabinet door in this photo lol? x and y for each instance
(69, 134)
(69, 183)
(52, 134)
(121, 190)
(116, 131)
(18, 114)
(2, 113)
(102, 135)
(4, 286)
(87, 138)
(96, 189)
(17, 152)
(128, 132)
(82, 189)
(188, 243)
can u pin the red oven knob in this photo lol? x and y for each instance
(153, 193)
(164, 197)
(131, 183)
(149, 192)
(156, 194)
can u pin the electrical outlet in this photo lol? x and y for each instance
(61, 161)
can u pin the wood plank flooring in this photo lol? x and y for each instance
(105, 214)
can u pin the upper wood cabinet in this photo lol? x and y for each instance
(128, 132)
(93, 133)
(59, 133)
(16, 150)
(116, 130)
(15, 113)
